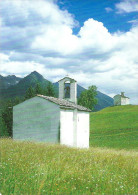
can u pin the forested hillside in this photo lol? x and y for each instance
(19, 86)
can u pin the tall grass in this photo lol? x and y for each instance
(34, 168)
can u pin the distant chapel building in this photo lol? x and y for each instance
(121, 99)
(54, 120)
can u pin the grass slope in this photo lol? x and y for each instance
(33, 168)
(115, 127)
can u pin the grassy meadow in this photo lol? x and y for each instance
(110, 166)
(115, 127)
(36, 168)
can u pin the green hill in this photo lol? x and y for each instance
(115, 127)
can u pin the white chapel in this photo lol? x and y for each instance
(55, 120)
(121, 99)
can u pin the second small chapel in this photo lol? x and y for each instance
(54, 120)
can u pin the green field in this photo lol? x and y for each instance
(115, 127)
(35, 169)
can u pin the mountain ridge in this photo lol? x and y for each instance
(19, 89)
(7, 81)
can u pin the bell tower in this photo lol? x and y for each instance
(68, 89)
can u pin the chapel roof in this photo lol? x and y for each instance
(123, 96)
(64, 103)
(67, 77)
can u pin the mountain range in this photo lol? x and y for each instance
(12, 86)
(7, 81)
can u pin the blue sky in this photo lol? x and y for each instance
(82, 10)
(93, 41)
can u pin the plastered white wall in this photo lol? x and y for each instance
(124, 101)
(73, 92)
(83, 129)
(61, 89)
(66, 127)
(74, 128)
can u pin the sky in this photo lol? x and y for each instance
(92, 41)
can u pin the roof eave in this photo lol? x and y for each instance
(64, 106)
(67, 77)
(71, 108)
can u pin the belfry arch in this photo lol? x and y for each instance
(68, 89)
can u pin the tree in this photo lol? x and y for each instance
(50, 91)
(7, 117)
(29, 93)
(3, 128)
(38, 89)
(87, 97)
(16, 101)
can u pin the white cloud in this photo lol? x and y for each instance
(134, 22)
(127, 6)
(60, 39)
(57, 38)
(24, 20)
(94, 35)
(3, 57)
(23, 10)
(108, 9)
(41, 38)
(23, 68)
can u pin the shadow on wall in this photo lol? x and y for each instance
(59, 133)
